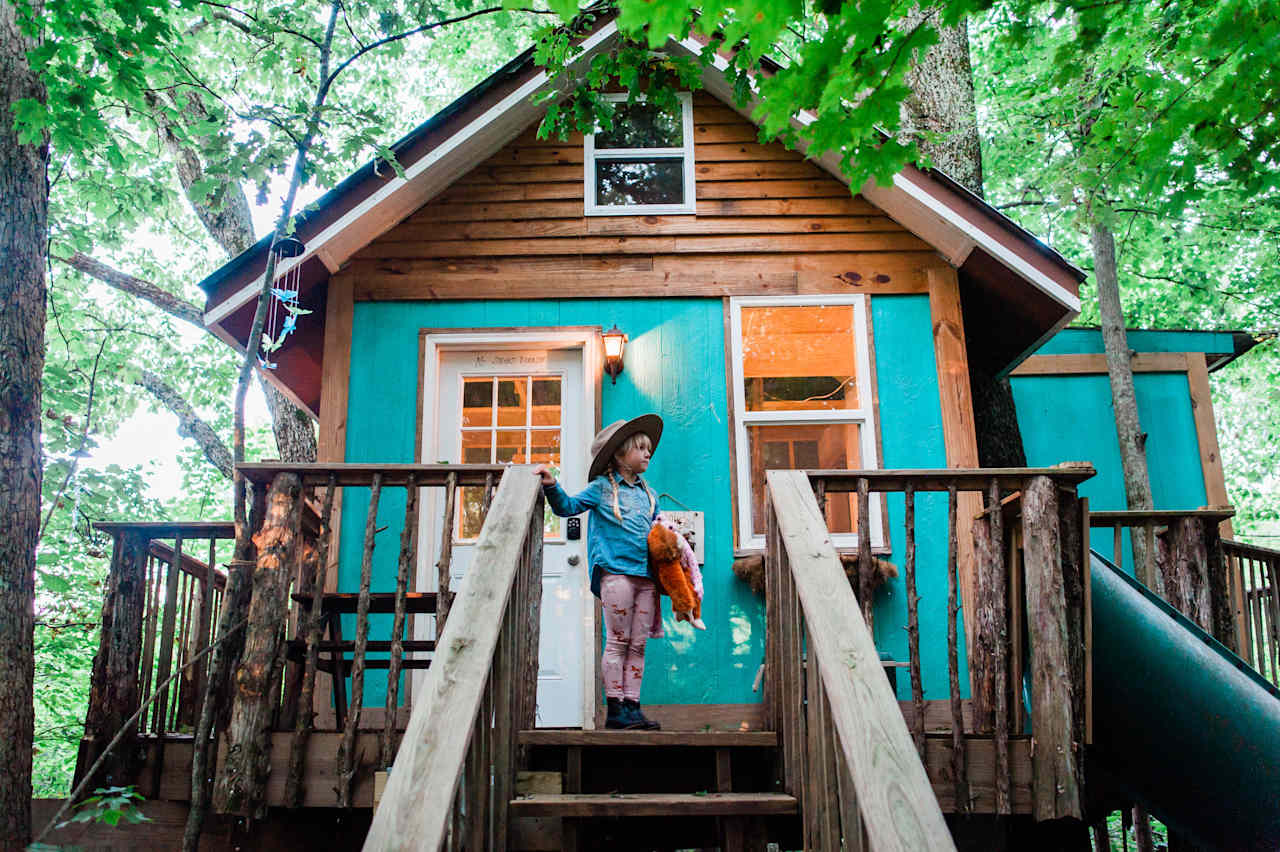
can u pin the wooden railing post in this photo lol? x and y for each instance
(420, 806)
(113, 685)
(408, 550)
(346, 749)
(893, 795)
(241, 785)
(1055, 763)
(913, 622)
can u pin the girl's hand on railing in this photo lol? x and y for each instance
(545, 472)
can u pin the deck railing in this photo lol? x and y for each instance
(159, 607)
(1180, 556)
(455, 770)
(1254, 571)
(1030, 578)
(294, 582)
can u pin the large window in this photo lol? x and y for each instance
(802, 400)
(644, 162)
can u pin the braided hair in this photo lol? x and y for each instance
(628, 445)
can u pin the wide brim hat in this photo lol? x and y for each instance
(613, 436)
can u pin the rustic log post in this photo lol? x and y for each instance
(1221, 595)
(1054, 765)
(913, 621)
(164, 668)
(530, 609)
(311, 622)
(959, 769)
(866, 567)
(241, 785)
(1071, 538)
(444, 598)
(214, 703)
(346, 758)
(999, 590)
(113, 685)
(408, 548)
(986, 630)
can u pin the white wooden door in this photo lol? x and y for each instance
(523, 406)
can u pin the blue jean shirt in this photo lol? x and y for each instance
(619, 547)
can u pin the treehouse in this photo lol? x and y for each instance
(905, 649)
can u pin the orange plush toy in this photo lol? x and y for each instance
(675, 571)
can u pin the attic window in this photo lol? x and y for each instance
(644, 162)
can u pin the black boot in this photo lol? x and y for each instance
(619, 717)
(632, 708)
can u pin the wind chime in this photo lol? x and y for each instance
(283, 311)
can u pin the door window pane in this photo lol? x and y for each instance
(799, 358)
(823, 446)
(624, 182)
(507, 419)
(512, 396)
(477, 402)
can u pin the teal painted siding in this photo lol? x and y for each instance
(1070, 418)
(675, 366)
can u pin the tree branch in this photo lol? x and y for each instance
(190, 424)
(145, 290)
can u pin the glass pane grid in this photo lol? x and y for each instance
(507, 419)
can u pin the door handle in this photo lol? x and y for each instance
(573, 559)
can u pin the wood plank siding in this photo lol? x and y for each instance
(767, 221)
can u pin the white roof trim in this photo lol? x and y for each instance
(400, 197)
(908, 203)
(897, 200)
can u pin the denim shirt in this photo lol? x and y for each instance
(619, 547)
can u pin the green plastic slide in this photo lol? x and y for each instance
(1184, 725)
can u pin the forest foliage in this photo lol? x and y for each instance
(1111, 109)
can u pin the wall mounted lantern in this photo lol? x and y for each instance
(614, 344)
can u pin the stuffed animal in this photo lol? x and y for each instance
(674, 570)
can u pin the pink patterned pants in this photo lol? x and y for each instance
(628, 604)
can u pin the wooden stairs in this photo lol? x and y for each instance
(650, 790)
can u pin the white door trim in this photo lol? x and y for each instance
(587, 340)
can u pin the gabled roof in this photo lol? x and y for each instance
(1001, 265)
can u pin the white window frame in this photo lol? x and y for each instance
(685, 153)
(864, 415)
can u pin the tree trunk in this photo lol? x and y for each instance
(295, 434)
(1133, 441)
(24, 208)
(942, 101)
(241, 786)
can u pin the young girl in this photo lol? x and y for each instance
(622, 510)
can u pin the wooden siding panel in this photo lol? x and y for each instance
(767, 221)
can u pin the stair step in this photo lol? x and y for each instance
(652, 804)
(706, 739)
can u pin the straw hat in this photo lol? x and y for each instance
(611, 437)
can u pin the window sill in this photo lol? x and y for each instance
(645, 210)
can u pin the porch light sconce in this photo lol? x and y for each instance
(614, 344)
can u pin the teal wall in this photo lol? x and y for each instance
(675, 365)
(1071, 418)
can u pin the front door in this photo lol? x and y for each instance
(522, 406)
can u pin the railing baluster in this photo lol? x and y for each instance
(1119, 543)
(1259, 605)
(769, 685)
(866, 570)
(913, 621)
(311, 624)
(165, 667)
(154, 579)
(999, 587)
(445, 562)
(346, 751)
(206, 619)
(408, 547)
(958, 761)
(504, 724)
(1274, 600)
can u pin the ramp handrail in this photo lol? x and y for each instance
(455, 770)
(848, 756)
